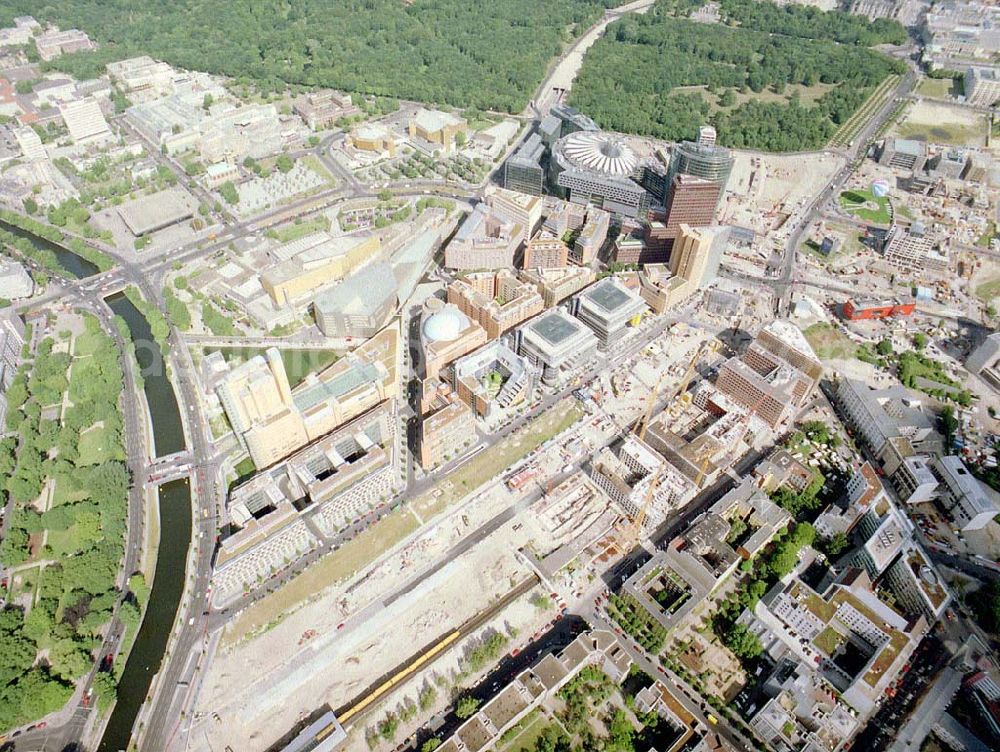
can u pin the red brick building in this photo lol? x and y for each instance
(867, 309)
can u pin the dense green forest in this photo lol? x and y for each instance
(76, 463)
(481, 53)
(808, 22)
(754, 69)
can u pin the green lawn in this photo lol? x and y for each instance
(828, 640)
(99, 444)
(288, 233)
(313, 163)
(988, 290)
(829, 342)
(939, 88)
(865, 206)
(300, 363)
(954, 134)
(87, 343)
(245, 467)
(526, 739)
(988, 235)
(73, 540)
(66, 491)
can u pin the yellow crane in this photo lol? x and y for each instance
(630, 537)
(702, 471)
(643, 422)
(631, 534)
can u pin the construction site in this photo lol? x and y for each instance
(491, 572)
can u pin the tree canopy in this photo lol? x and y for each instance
(75, 591)
(458, 52)
(633, 79)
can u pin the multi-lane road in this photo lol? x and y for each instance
(783, 283)
(195, 617)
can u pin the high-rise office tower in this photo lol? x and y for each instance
(691, 253)
(704, 160)
(692, 201)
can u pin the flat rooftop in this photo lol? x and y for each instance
(554, 328)
(150, 213)
(607, 295)
(337, 387)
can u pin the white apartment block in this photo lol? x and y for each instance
(982, 86)
(964, 497)
(85, 122)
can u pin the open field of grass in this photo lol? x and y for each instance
(332, 568)
(828, 640)
(488, 464)
(298, 363)
(943, 133)
(940, 88)
(942, 123)
(65, 492)
(98, 444)
(864, 205)
(288, 233)
(829, 342)
(987, 291)
(86, 343)
(151, 541)
(525, 741)
(313, 163)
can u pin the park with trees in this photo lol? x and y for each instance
(451, 52)
(762, 572)
(767, 77)
(65, 472)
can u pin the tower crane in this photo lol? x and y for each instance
(643, 422)
(631, 534)
(746, 428)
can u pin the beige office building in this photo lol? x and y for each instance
(663, 286)
(545, 253)
(519, 209)
(496, 301)
(445, 433)
(314, 261)
(555, 285)
(273, 420)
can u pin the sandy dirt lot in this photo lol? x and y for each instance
(760, 185)
(260, 692)
(942, 123)
(260, 687)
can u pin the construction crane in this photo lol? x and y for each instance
(703, 470)
(643, 422)
(639, 429)
(631, 536)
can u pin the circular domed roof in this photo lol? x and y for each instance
(600, 152)
(445, 325)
